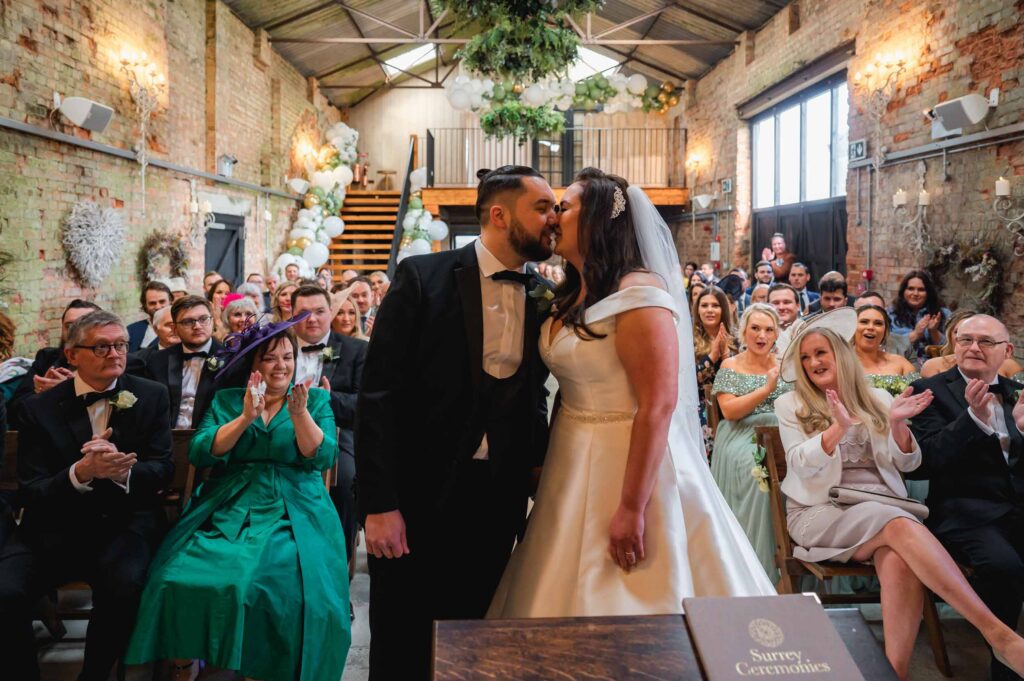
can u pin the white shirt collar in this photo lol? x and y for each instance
(968, 378)
(489, 264)
(82, 388)
(322, 341)
(205, 347)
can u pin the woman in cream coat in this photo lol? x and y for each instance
(836, 429)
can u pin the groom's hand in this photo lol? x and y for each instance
(385, 535)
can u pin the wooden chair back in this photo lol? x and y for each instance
(775, 462)
(713, 412)
(180, 490)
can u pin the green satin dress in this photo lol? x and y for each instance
(254, 576)
(734, 459)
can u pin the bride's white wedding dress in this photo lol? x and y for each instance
(693, 543)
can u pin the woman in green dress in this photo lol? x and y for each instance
(746, 388)
(253, 577)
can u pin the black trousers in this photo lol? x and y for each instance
(17, 642)
(114, 561)
(456, 559)
(344, 499)
(996, 554)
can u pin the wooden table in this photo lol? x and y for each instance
(651, 648)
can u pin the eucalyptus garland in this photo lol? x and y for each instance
(970, 270)
(515, 119)
(162, 244)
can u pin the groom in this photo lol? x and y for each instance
(451, 423)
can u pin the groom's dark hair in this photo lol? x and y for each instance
(499, 181)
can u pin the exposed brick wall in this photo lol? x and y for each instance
(73, 46)
(956, 47)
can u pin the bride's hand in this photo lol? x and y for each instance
(626, 538)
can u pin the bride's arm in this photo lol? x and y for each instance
(647, 346)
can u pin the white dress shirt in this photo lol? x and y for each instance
(191, 370)
(504, 311)
(997, 424)
(149, 336)
(99, 418)
(309, 365)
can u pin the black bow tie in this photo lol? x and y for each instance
(192, 355)
(1000, 390)
(317, 347)
(516, 277)
(93, 397)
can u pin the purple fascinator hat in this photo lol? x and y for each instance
(237, 345)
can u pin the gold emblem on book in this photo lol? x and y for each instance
(766, 633)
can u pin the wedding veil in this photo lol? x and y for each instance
(659, 254)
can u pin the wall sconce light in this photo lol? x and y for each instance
(202, 216)
(1005, 209)
(145, 86)
(876, 86)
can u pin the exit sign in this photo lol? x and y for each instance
(858, 150)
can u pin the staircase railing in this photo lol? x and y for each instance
(403, 206)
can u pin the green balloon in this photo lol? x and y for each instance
(320, 193)
(295, 250)
(601, 81)
(652, 91)
(416, 203)
(498, 93)
(581, 89)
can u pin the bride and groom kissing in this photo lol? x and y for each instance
(452, 429)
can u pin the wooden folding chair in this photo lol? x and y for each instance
(792, 568)
(714, 413)
(179, 491)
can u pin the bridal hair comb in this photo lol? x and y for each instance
(618, 202)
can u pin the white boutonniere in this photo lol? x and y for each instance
(214, 363)
(327, 354)
(543, 295)
(123, 400)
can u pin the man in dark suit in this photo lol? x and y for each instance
(832, 294)
(93, 454)
(335, 363)
(799, 277)
(973, 458)
(188, 370)
(452, 423)
(155, 295)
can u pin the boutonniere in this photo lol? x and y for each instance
(327, 354)
(543, 295)
(123, 400)
(214, 363)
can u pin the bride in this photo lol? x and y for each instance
(628, 520)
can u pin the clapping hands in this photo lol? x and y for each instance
(254, 401)
(908, 405)
(52, 377)
(101, 459)
(840, 415)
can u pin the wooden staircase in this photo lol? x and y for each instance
(365, 245)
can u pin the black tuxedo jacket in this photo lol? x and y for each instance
(44, 359)
(165, 367)
(136, 332)
(970, 482)
(345, 374)
(55, 425)
(422, 378)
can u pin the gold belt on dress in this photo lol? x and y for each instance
(596, 416)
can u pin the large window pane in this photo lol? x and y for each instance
(842, 141)
(764, 163)
(789, 155)
(817, 143)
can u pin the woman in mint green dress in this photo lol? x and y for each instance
(746, 388)
(253, 577)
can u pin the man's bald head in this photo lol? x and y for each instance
(982, 345)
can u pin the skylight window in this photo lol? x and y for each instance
(409, 60)
(588, 62)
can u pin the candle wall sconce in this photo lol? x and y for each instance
(1006, 210)
(145, 86)
(915, 226)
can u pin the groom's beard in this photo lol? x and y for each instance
(525, 244)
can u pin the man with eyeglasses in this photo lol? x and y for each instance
(188, 369)
(973, 457)
(93, 454)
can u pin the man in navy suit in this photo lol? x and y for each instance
(155, 295)
(799, 276)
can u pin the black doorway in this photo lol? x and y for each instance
(815, 231)
(225, 247)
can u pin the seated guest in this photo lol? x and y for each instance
(215, 295)
(253, 292)
(155, 295)
(291, 273)
(786, 302)
(239, 310)
(746, 387)
(918, 314)
(362, 297)
(348, 276)
(732, 286)
(253, 576)
(780, 259)
(946, 360)
(833, 294)
(882, 368)
(714, 340)
(799, 277)
(13, 370)
(268, 297)
(708, 270)
(379, 282)
(188, 369)
(282, 308)
(255, 278)
(758, 294)
(839, 431)
(324, 278)
(688, 269)
(209, 279)
(333, 362)
(696, 288)
(93, 454)
(166, 335)
(895, 344)
(973, 450)
(762, 275)
(179, 289)
(345, 319)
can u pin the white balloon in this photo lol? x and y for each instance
(419, 247)
(460, 100)
(323, 179)
(438, 230)
(302, 223)
(533, 95)
(303, 213)
(410, 221)
(461, 79)
(424, 220)
(402, 255)
(334, 226)
(636, 83)
(298, 185)
(323, 238)
(301, 234)
(316, 254)
(488, 84)
(343, 174)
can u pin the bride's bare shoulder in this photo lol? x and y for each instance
(641, 278)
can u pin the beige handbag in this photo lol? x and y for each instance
(848, 496)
